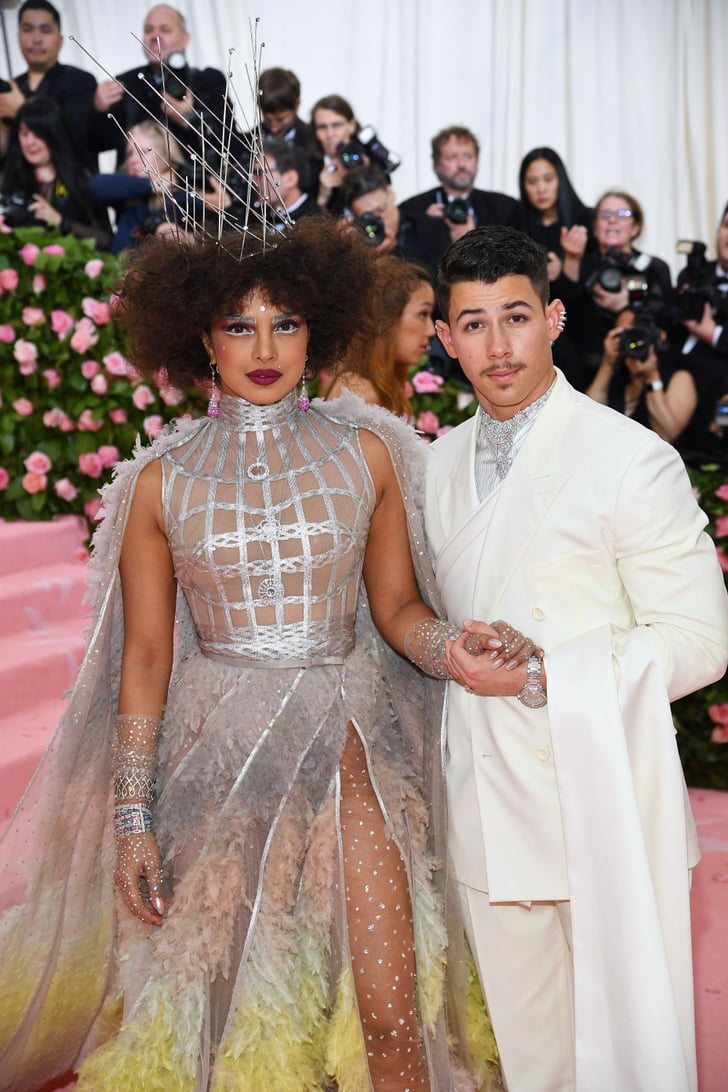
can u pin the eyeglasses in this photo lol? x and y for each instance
(621, 214)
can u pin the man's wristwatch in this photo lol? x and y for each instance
(533, 694)
(655, 385)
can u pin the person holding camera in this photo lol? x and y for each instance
(189, 101)
(637, 377)
(700, 336)
(431, 221)
(604, 273)
(341, 145)
(371, 205)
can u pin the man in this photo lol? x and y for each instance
(369, 197)
(433, 220)
(279, 180)
(280, 101)
(702, 293)
(189, 101)
(569, 833)
(40, 40)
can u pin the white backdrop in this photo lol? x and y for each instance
(628, 92)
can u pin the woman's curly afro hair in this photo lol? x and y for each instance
(173, 292)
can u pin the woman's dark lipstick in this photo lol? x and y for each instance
(264, 376)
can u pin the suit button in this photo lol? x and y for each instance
(543, 754)
(537, 613)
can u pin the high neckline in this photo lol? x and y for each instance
(237, 413)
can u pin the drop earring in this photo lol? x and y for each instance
(213, 406)
(303, 399)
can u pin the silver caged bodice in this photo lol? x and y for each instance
(267, 511)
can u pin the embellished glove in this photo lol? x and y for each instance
(424, 645)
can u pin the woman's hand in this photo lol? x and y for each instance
(573, 241)
(502, 673)
(43, 210)
(138, 877)
(611, 301)
(610, 347)
(553, 265)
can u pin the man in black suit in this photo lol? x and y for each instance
(189, 101)
(280, 178)
(433, 220)
(40, 41)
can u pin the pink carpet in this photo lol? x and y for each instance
(41, 645)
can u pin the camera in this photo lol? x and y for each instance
(457, 210)
(351, 155)
(176, 75)
(372, 226)
(696, 286)
(636, 341)
(613, 265)
(376, 151)
(15, 211)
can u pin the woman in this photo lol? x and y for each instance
(44, 182)
(644, 386)
(613, 270)
(551, 213)
(335, 128)
(273, 883)
(376, 370)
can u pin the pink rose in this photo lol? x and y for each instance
(444, 430)
(26, 355)
(427, 382)
(87, 422)
(142, 397)
(34, 483)
(719, 713)
(134, 376)
(115, 364)
(721, 526)
(99, 384)
(66, 490)
(719, 734)
(39, 283)
(464, 399)
(37, 463)
(61, 323)
(33, 316)
(96, 310)
(90, 368)
(7, 334)
(428, 422)
(84, 336)
(54, 248)
(91, 509)
(114, 301)
(65, 423)
(4, 478)
(153, 426)
(722, 491)
(118, 416)
(52, 418)
(171, 396)
(29, 253)
(722, 559)
(89, 463)
(52, 378)
(108, 454)
(23, 407)
(93, 268)
(9, 279)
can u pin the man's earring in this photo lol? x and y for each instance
(562, 320)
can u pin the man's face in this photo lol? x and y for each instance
(721, 242)
(40, 39)
(457, 165)
(278, 122)
(270, 182)
(500, 333)
(382, 204)
(163, 33)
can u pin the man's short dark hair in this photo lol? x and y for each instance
(361, 181)
(453, 132)
(40, 5)
(288, 157)
(278, 89)
(487, 254)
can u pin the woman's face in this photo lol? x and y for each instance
(331, 130)
(142, 158)
(259, 350)
(541, 184)
(35, 151)
(415, 327)
(614, 224)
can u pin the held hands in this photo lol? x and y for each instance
(138, 877)
(488, 667)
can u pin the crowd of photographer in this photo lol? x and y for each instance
(633, 340)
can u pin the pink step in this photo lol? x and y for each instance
(25, 545)
(33, 599)
(42, 665)
(23, 739)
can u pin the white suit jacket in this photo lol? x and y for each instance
(595, 548)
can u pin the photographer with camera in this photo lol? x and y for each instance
(371, 205)
(431, 221)
(637, 375)
(603, 274)
(700, 336)
(341, 145)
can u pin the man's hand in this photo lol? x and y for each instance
(475, 664)
(704, 330)
(11, 101)
(179, 110)
(107, 93)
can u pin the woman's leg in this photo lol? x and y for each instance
(381, 937)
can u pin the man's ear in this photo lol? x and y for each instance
(555, 318)
(443, 332)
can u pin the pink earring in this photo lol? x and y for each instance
(303, 399)
(213, 406)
